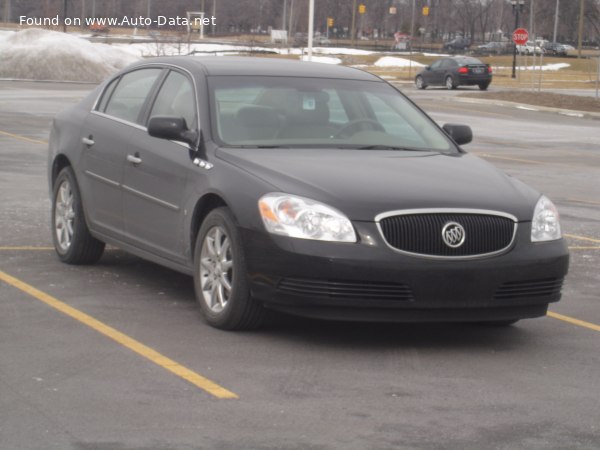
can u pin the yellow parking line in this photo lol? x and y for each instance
(582, 238)
(136, 346)
(22, 138)
(573, 321)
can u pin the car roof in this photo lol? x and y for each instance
(250, 66)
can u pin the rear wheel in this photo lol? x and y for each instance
(72, 239)
(420, 83)
(450, 83)
(220, 275)
(483, 86)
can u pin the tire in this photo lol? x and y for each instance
(220, 275)
(72, 239)
(483, 86)
(420, 83)
(450, 83)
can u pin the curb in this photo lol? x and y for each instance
(526, 106)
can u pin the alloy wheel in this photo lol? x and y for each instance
(216, 269)
(64, 216)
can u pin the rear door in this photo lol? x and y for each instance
(432, 76)
(106, 134)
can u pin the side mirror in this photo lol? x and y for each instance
(461, 134)
(172, 128)
(427, 67)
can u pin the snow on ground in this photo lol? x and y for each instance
(322, 59)
(551, 67)
(393, 61)
(49, 55)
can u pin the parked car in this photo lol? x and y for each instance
(307, 188)
(529, 48)
(321, 40)
(459, 44)
(554, 48)
(495, 48)
(455, 71)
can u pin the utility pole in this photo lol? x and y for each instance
(7, 11)
(517, 6)
(311, 25)
(283, 16)
(555, 22)
(353, 21)
(412, 32)
(64, 16)
(580, 38)
(531, 14)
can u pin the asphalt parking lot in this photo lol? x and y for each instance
(115, 356)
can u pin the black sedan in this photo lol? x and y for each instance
(456, 71)
(306, 188)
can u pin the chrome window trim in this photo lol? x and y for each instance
(116, 119)
(148, 65)
(103, 179)
(151, 198)
(407, 212)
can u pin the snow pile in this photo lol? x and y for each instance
(393, 61)
(37, 54)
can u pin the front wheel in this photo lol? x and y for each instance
(450, 83)
(220, 275)
(72, 239)
(420, 83)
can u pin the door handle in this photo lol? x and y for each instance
(134, 159)
(88, 141)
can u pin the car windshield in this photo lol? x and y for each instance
(288, 112)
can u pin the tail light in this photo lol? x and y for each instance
(489, 69)
(463, 70)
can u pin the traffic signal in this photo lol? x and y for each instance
(330, 22)
(362, 8)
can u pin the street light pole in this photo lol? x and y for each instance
(517, 8)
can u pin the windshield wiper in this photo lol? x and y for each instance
(391, 147)
(257, 146)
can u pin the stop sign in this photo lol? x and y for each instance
(520, 36)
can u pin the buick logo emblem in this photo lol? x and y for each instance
(453, 234)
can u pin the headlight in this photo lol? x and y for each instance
(545, 225)
(302, 218)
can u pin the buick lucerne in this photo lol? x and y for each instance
(306, 188)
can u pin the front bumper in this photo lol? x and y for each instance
(370, 281)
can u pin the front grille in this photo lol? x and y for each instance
(364, 290)
(548, 287)
(422, 233)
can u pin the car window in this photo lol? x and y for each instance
(437, 64)
(292, 112)
(130, 93)
(107, 93)
(448, 64)
(176, 98)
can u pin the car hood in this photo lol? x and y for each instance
(365, 183)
